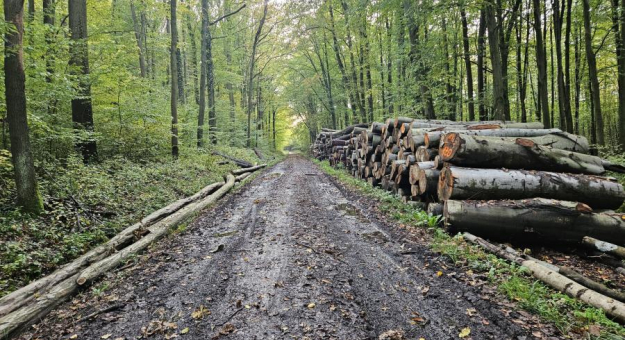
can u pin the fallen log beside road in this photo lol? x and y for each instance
(535, 220)
(551, 277)
(605, 247)
(33, 301)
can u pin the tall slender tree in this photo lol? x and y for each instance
(541, 61)
(173, 66)
(28, 196)
(467, 63)
(591, 59)
(82, 110)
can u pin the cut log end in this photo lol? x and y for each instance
(449, 146)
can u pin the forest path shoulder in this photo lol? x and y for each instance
(288, 256)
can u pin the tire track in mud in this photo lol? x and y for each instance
(290, 256)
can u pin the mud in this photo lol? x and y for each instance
(289, 256)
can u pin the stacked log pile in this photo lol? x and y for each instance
(501, 180)
(497, 179)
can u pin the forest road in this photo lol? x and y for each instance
(291, 255)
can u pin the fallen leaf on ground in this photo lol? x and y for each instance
(439, 273)
(227, 329)
(185, 331)
(200, 312)
(106, 336)
(465, 332)
(311, 305)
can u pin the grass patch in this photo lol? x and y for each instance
(85, 205)
(572, 317)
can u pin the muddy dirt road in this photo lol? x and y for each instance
(286, 257)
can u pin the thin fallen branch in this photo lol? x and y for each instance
(248, 169)
(239, 162)
(604, 247)
(556, 280)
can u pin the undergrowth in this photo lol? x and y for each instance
(85, 205)
(571, 316)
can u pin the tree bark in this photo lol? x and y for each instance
(135, 23)
(174, 80)
(82, 111)
(499, 101)
(605, 247)
(471, 151)
(541, 61)
(551, 277)
(536, 220)
(250, 81)
(591, 58)
(28, 197)
(480, 67)
(203, 73)
(467, 64)
(479, 184)
(619, 25)
(433, 138)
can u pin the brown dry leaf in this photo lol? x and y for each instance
(200, 312)
(471, 311)
(594, 330)
(227, 329)
(465, 332)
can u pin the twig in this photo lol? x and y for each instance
(229, 318)
(102, 311)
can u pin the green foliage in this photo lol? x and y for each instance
(85, 205)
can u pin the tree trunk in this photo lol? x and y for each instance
(28, 197)
(210, 77)
(339, 61)
(49, 10)
(567, 67)
(250, 81)
(499, 101)
(174, 80)
(471, 151)
(82, 111)
(619, 24)
(564, 99)
(480, 67)
(135, 23)
(592, 74)
(537, 220)
(541, 61)
(203, 73)
(492, 184)
(467, 64)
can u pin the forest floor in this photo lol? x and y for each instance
(293, 254)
